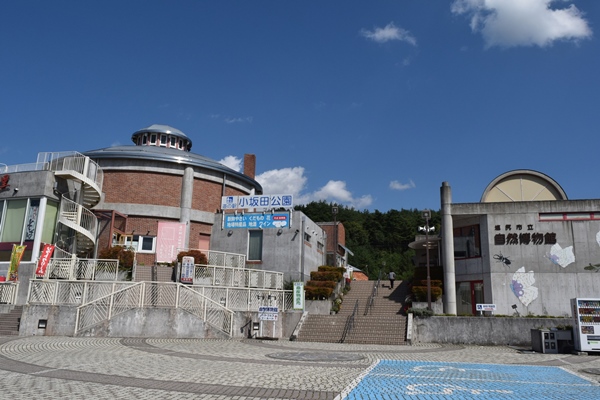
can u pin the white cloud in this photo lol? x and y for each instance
(395, 185)
(232, 162)
(510, 23)
(232, 120)
(389, 32)
(293, 181)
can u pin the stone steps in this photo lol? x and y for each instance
(383, 325)
(10, 321)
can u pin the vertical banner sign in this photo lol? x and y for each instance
(47, 251)
(187, 270)
(298, 295)
(170, 238)
(15, 260)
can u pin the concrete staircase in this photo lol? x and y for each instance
(384, 324)
(10, 321)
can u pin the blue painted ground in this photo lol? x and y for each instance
(425, 380)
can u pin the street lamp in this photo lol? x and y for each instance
(334, 211)
(427, 215)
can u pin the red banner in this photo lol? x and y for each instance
(44, 259)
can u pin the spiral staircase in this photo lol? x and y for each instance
(85, 177)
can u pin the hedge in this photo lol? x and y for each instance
(420, 293)
(326, 276)
(329, 284)
(317, 293)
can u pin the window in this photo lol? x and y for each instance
(255, 243)
(467, 243)
(180, 144)
(306, 237)
(140, 244)
(173, 141)
(145, 139)
(320, 247)
(153, 138)
(163, 140)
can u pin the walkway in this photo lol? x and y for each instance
(109, 368)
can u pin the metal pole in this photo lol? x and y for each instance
(427, 261)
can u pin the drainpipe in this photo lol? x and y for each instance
(302, 248)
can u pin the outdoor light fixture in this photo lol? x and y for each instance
(279, 231)
(229, 233)
(427, 215)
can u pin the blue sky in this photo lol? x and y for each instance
(367, 104)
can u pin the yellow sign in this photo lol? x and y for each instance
(15, 260)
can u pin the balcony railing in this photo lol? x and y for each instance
(85, 269)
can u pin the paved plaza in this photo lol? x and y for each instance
(135, 368)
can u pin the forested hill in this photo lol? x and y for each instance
(374, 237)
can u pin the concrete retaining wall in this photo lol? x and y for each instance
(150, 322)
(481, 330)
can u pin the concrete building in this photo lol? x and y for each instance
(160, 197)
(525, 247)
(295, 249)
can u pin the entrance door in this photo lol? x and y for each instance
(468, 294)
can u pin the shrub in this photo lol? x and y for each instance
(121, 253)
(328, 284)
(325, 276)
(420, 293)
(199, 257)
(317, 293)
(420, 312)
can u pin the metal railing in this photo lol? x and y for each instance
(154, 294)
(62, 292)
(349, 323)
(73, 161)
(85, 269)
(80, 216)
(8, 292)
(68, 292)
(210, 275)
(373, 295)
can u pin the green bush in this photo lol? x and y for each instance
(434, 283)
(420, 293)
(328, 284)
(199, 257)
(420, 312)
(317, 293)
(325, 276)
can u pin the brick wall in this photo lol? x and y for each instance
(139, 187)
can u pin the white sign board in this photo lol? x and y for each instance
(268, 313)
(187, 270)
(485, 307)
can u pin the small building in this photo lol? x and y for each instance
(294, 249)
(525, 247)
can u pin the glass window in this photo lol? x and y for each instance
(153, 138)
(145, 139)
(14, 220)
(467, 242)
(49, 222)
(255, 239)
(173, 141)
(163, 140)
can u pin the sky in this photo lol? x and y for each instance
(367, 104)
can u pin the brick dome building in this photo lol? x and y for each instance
(159, 197)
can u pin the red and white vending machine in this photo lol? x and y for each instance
(586, 314)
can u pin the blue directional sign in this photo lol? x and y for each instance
(268, 201)
(257, 220)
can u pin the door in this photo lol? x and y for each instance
(468, 294)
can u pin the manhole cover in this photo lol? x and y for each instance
(308, 356)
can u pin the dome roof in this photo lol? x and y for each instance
(166, 129)
(523, 185)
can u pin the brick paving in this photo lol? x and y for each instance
(109, 368)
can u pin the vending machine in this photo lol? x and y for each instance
(586, 314)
